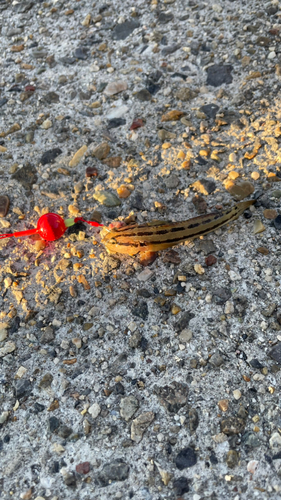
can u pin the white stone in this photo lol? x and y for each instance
(94, 410)
(252, 465)
(117, 112)
(94, 311)
(4, 416)
(275, 441)
(271, 55)
(8, 347)
(229, 307)
(113, 88)
(145, 275)
(185, 335)
(21, 372)
(237, 394)
(132, 326)
(217, 7)
(234, 276)
(58, 448)
(47, 124)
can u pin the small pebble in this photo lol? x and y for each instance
(94, 410)
(255, 175)
(277, 222)
(270, 214)
(237, 394)
(115, 87)
(258, 227)
(47, 124)
(78, 156)
(223, 404)
(4, 205)
(199, 269)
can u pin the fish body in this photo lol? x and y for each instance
(156, 236)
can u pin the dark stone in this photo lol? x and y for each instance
(3, 101)
(83, 468)
(155, 76)
(101, 86)
(153, 88)
(51, 97)
(209, 185)
(263, 41)
(143, 344)
(23, 7)
(81, 53)
(255, 363)
(219, 74)
(119, 388)
(221, 295)
(117, 470)
(275, 353)
(170, 49)
(179, 75)
(26, 176)
(213, 459)
(186, 458)
(193, 420)
(210, 110)
(241, 305)
(206, 246)
(53, 424)
(76, 228)
(23, 388)
(70, 480)
(137, 201)
(46, 381)
(121, 31)
(184, 320)
(64, 431)
(47, 336)
(141, 310)
(216, 360)
(200, 160)
(38, 407)
(272, 10)
(232, 425)
(116, 122)
(180, 486)
(172, 397)
(55, 467)
(277, 222)
(277, 456)
(165, 17)
(67, 60)
(250, 439)
(50, 156)
(143, 95)
(118, 367)
(14, 325)
(144, 293)
(247, 214)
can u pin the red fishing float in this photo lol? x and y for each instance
(50, 227)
